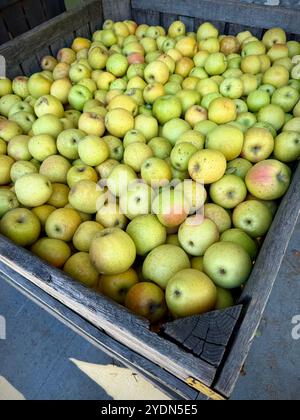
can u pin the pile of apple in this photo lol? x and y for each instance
(148, 165)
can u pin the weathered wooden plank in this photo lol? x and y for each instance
(4, 34)
(260, 284)
(84, 31)
(234, 29)
(34, 12)
(48, 33)
(116, 10)
(53, 7)
(31, 65)
(98, 338)
(167, 19)
(103, 313)
(255, 15)
(189, 23)
(15, 19)
(206, 336)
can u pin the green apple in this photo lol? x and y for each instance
(135, 155)
(192, 137)
(204, 127)
(156, 172)
(39, 85)
(167, 108)
(286, 97)
(17, 148)
(117, 286)
(120, 178)
(85, 196)
(33, 190)
(292, 125)
(66, 55)
(47, 124)
(106, 168)
(207, 30)
(7, 102)
(41, 147)
(173, 129)
(257, 100)
(158, 72)
(78, 72)
(222, 111)
(136, 200)
(227, 264)
(207, 86)
(228, 192)
(181, 155)
(19, 107)
(267, 88)
(6, 163)
(147, 233)
(171, 207)
(97, 58)
(258, 145)
(115, 146)
(240, 237)
(9, 130)
(5, 87)
(22, 168)
(112, 251)
(110, 215)
(253, 217)
(21, 226)
(294, 48)
(55, 168)
(277, 76)
(84, 235)
(194, 193)
(160, 147)
(54, 251)
(93, 151)
(197, 234)
(272, 114)
(3, 147)
(274, 36)
(20, 86)
(163, 263)
(188, 98)
(287, 146)
(219, 216)
(189, 293)
(24, 120)
(147, 300)
(227, 140)
(78, 96)
(176, 29)
(225, 299)
(62, 224)
(134, 136)
(80, 268)
(118, 122)
(59, 197)
(8, 201)
(239, 167)
(216, 64)
(68, 141)
(81, 172)
(268, 180)
(232, 88)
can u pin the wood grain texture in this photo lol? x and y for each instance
(99, 338)
(48, 34)
(255, 15)
(105, 314)
(116, 10)
(260, 284)
(206, 336)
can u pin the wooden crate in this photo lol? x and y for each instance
(206, 352)
(19, 16)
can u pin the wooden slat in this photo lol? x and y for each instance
(189, 23)
(234, 29)
(34, 12)
(206, 336)
(116, 10)
(255, 15)
(260, 284)
(48, 34)
(4, 35)
(98, 338)
(167, 19)
(84, 31)
(53, 7)
(6, 3)
(31, 65)
(103, 313)
(15, 19)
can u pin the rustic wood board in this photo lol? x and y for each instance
(103, 313)
(260, 284)
(97, 337)
(253, 15)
